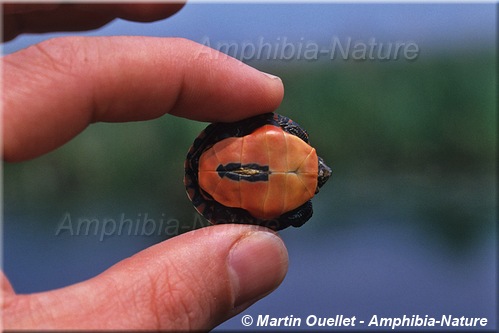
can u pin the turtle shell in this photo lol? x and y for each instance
(261, 170)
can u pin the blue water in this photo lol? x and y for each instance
(381, 271)
(373, 268)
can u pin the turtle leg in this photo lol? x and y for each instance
(297, 217)
(292, 127)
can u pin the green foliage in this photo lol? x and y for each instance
(392, 132)
(437, 112)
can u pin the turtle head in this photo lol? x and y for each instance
(323, 175)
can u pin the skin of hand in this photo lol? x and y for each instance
(55, 89)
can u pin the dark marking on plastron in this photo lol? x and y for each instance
(249, 172)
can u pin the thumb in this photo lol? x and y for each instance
(193, 281)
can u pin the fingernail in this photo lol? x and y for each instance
(271, 76)
(257, 265)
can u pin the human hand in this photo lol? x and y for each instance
(54, 90)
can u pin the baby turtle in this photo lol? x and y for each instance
(259, 170)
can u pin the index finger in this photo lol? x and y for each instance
(37, 17)
(54, 89)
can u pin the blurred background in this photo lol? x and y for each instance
(406, 225)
